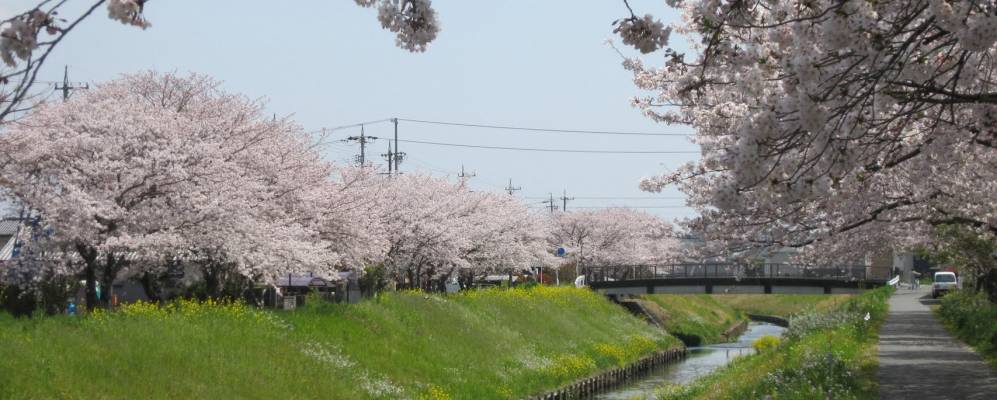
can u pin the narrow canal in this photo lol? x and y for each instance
(701, 361)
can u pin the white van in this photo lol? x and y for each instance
(944, 282)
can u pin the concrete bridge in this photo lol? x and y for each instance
(731, 278)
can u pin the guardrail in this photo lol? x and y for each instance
(725, 270)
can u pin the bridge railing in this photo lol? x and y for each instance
(723, 270)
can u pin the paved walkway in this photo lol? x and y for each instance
(919, 359)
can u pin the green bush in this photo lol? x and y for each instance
(973, 319)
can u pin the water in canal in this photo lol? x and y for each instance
(701, 361)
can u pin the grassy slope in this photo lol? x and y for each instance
(780, 305)
(836, 360)
(485, 344)
(698, 315)
(973, 319)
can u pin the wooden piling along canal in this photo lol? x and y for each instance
(597, 384)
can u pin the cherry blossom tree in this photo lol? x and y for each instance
(434, 229)
(156, 166)
(613, 237)
(832, 123)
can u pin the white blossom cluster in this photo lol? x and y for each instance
(645, 34)
(413, 21)
(127, 12)
(614, 237)
(845, 126)
(20, 35)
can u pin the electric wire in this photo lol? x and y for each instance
(546, 130)
(547, 150)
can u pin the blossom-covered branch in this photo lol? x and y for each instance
(832, 122)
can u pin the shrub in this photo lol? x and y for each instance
(765, 343)
(973, 319)
(821, 374)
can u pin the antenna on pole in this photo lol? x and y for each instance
(510, 189)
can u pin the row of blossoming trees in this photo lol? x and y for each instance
(155, 171)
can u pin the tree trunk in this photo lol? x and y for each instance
(151, 287)
(987, 283)
(212, 280)
(110, 273)
(89, 256)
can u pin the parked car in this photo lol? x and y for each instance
(944, 282)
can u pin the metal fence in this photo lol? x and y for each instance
(723, 270)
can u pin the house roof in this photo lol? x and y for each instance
(301, 281)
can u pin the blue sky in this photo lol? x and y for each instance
(328, 63)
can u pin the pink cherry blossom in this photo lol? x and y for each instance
(845, 126)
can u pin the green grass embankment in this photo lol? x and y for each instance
(973, 319)
(780, 305)
(486, 344)
(696, 319)
(828, 353)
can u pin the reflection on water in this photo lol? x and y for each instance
(701, 361)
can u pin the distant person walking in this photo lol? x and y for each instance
(915, 280)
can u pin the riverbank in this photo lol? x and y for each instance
(972, 319)
(829, 353)
(486, 344)
(780, 305)
(696, 319)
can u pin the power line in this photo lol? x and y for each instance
(615, 198)
(341, 127)
(549, 150)
(640, 207)
(547, 130)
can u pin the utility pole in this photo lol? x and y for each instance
(390, 156)
(67, 87)
(551, 203)
(564, 199)
(512, 189)
(363, 145)
(398, 156)
(464, 176)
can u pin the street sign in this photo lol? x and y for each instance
(561, 252)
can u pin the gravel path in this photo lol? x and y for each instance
(919, 359)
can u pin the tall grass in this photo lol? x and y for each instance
(486, 344)
(973, 319)
(831, 355)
